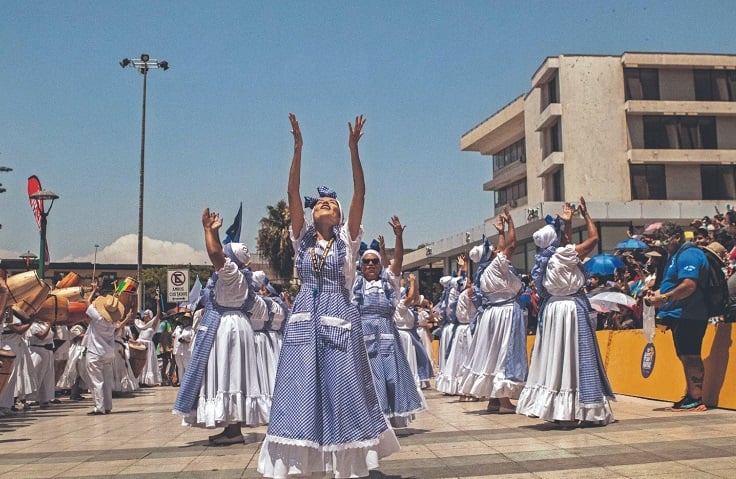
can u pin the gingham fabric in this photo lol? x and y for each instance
(592, 378)
(190, 383)
(392, 375)
(424, 363)
(324, 395)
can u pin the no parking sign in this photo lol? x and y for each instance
(177, 285)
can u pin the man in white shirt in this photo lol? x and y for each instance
(104, 315)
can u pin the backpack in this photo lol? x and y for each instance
(715, 289)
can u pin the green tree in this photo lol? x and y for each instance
(273, 241)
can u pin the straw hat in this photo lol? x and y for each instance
(719, 250)
(109, 308)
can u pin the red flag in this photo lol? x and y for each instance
(34, 185)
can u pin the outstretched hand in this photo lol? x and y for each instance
(298, 142)
(567, 212)
(582, 207)
(211, 220)
(356, 132)
(396, 225)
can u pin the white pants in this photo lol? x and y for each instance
(43, 365)
(100, 375)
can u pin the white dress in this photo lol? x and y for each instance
(22, 377)
(182, 338)
(230, 391)
(151, 373)
(484, 373)
(43, 361)
(552, 389)
(76, 365)
(123, 379)
(450, 378)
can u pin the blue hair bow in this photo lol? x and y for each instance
(365, 247)
(324, 192)
(553, 221)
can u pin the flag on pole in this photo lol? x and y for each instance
(34, 186)
(232, 235)
(191, 303)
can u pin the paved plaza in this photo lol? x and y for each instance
(142, 439)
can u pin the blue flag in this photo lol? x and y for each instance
(232, 235)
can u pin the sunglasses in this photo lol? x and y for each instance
(370, 261)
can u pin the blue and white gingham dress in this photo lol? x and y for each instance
(397, 391)
(325, 414)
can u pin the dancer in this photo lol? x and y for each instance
(325, 415)
(567, 383)
(497, 362)
(147, 326)
(220, 386)
(376, 294)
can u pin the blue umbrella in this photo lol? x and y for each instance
(604, 264)
(632, 243)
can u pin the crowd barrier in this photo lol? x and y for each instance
(622, 353)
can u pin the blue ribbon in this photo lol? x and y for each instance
(324, 192)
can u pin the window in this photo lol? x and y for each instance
(510, 154)
(558, 186)
(718, 182)
(680, 132)
(550, 92)
(648, 182)
(512, 192)
(641, 83)
(715, 85)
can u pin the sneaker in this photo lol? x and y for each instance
(688, 404)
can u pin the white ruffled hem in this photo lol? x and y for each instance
(491, 386)
(229, 408)
(282, 458)
(448, 385)
(538, 401)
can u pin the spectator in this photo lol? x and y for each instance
(681, 304)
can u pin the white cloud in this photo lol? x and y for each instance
(124, 250)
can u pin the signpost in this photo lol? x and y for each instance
(177, 285)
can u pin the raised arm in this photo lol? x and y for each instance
(296, 207)
(566, 217)
(399, 248)
(584, 249)
(382, 250)
(411, 293)
(355, 217)
(212, 223)
(511, 234)
(499, 225)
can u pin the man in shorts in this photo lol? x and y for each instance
(681, 305)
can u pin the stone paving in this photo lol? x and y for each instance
(142, 439)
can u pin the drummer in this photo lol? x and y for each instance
(105, 316)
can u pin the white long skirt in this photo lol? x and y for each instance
(267, 358)
(76, 367)
(230, 392)
(424, 335)
(450, 378)
(484, 371)
(123, 380)
(552, 388)
(25, 377)
(411, 355)
(151, 373)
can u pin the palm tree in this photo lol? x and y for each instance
(273, 241)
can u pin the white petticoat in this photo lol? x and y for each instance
(552, 390)
(484, 371)
(450, 378)
(230, 392)
(281, 461)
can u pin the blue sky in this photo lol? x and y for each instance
(217, 132)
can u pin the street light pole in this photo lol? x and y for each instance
(94, 265)
(142, 64)
(43, 195)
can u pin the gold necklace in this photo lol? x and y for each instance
(318, 267)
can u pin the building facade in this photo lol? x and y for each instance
(643, 137)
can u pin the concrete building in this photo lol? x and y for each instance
(643, 137)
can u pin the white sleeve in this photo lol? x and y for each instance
(351, 254)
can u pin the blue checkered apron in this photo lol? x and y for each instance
(392, 375)
(424, 363)
(324, 395)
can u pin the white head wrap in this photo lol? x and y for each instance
(476, 253)
(372, 251)
(238, 253)
(544, 236)
(258, 277)
(445, 280)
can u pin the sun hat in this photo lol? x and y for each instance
(109, 307)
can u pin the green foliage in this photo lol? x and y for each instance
(273, 240)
